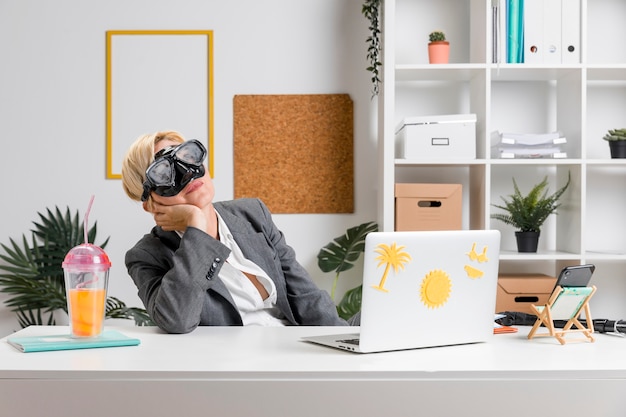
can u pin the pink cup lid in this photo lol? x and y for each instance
(86, 257)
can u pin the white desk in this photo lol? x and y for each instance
(251, 371)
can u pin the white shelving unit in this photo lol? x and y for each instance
(582, 100)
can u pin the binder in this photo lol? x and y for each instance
(502, 31)
(570, 31)
(533, 31)
(495, 31)
(552, 32)
(515, 31)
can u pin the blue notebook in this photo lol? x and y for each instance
(108, 338)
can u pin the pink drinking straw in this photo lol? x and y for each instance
(85, 225)
(87, 217)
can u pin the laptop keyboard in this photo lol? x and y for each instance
(349, 341)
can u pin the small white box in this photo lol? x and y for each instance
(429, 137)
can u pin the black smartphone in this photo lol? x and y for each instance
(575, 276)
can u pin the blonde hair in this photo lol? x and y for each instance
(139, 157)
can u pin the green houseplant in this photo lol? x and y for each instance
(438, 48)
(371, 11)
(527, 213)
(340, 255)
(32, 275)
(617, 142)
(437, 36)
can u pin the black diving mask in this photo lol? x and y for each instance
(173, 168)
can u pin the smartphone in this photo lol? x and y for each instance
(575, 276)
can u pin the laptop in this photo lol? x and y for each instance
(424, 289)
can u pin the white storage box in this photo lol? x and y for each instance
(430, 137)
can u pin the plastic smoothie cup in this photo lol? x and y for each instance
(86, 270)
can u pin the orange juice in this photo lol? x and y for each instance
(87, 310)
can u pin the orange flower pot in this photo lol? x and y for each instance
(439, 52)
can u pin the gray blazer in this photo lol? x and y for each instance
(177, 279)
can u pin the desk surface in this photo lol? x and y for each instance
(277, 355)
(279, 352)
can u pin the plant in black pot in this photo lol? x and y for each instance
(617, 142)
(527, 213)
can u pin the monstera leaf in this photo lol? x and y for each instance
(342, 253)
(350, 304)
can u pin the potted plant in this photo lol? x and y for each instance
(32, 275)
(617, 142)
(340, 255)
(438, 48)
(527, 213)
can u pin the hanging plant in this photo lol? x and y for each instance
(371, 11)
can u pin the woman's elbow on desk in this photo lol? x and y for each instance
(171, 324)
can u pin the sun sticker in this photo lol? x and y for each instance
(436, 288)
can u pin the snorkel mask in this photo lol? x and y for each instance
(173, 168)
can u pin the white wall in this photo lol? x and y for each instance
(52, 107)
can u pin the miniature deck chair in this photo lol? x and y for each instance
(565, 303)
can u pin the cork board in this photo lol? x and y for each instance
(295, 152)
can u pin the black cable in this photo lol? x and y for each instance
(516, 318)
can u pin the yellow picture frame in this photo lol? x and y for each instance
(149, 73)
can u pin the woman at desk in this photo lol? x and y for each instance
(211, 264)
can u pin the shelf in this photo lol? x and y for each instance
(606, 162)
(507, 255)
(583, 100)
(438, 163)
(591, 256)
(525, 72)
(603, 73)
(439, 72)
(535, 161)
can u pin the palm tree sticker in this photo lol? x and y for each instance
(390, 256)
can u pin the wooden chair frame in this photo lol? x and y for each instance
(573, 325)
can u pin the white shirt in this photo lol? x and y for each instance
(253, 309)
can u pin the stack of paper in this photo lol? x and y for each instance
(528, 145)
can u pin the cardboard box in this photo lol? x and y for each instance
(431, 137)
(428, 207)
(517, 292)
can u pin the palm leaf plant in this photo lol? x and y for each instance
(340, 255)
(32, 275)
(527, 213)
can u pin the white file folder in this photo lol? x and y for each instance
(570, 31)
(552, 31)
(533, 32)
(503, 33)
